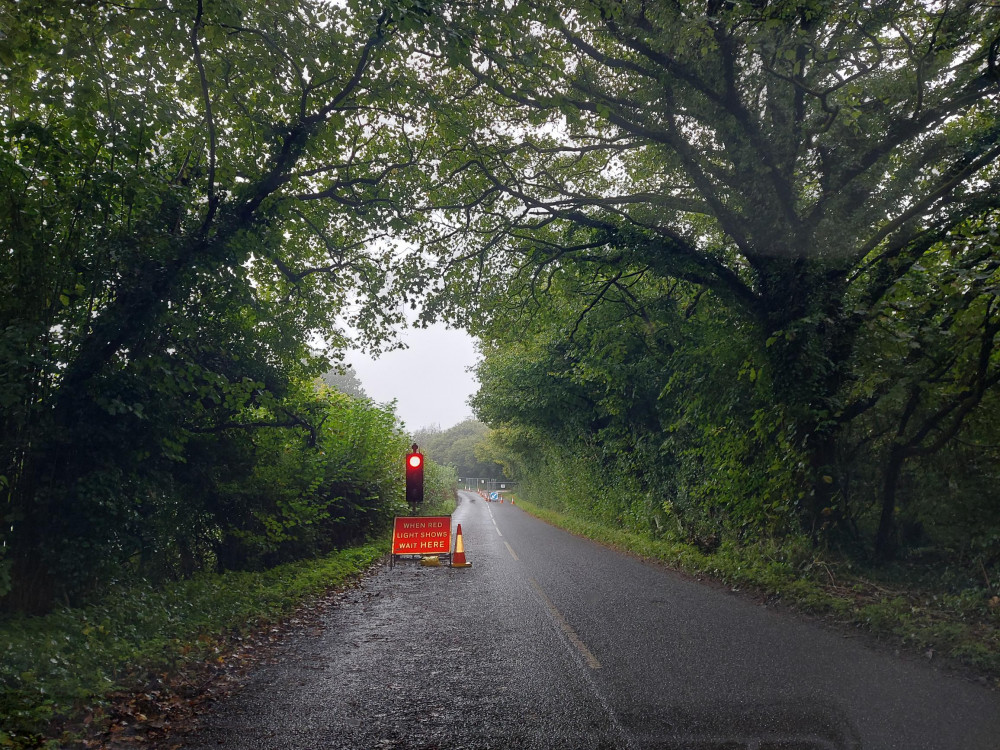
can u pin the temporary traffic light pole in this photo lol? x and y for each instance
(426, 536)
(419, 535)
(414, 478)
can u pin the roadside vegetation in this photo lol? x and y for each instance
(59, 672)
(85, 672)
(733, 266)
(457, 447)
(740, 288)
(440, 493)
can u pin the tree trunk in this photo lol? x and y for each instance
(820, 508)
(33, 583)
(809, 344)
(884, 546)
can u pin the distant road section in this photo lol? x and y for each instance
(551, 641)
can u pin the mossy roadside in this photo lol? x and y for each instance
(144, 657)
(960, 630)
(72, 675)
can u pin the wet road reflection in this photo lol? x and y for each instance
(550, 642)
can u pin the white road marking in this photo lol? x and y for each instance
(628, 742)
(566, 628)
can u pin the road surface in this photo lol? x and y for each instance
(551, 641)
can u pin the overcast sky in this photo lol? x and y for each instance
(429, 380)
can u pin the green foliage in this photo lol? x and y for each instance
(733, 267)
(734, 197)
(300, 492)
(65, 662)
(651, 402)
(922, 401)
(346, 381)
(459, 447)
(654, 412)
(188, 193)
(440, 492)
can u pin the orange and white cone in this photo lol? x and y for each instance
(458, 559)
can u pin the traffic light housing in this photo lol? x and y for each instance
(414, 476)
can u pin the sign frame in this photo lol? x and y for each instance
(421, 535)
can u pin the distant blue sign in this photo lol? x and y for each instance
(494, 496)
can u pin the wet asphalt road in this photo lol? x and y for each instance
(551, 641)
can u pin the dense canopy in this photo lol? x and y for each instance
(753, 241)
(734, 263)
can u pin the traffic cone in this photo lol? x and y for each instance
(458, 559)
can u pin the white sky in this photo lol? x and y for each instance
(429, 380)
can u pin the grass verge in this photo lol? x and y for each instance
(58, 671)
(963, 627)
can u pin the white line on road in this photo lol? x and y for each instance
(511, 550)
(494, 520)
(566, 628)
(627, 741)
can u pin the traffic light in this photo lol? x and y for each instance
(414, 476)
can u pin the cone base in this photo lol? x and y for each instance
(461, 565)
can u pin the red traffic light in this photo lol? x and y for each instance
(414, 476)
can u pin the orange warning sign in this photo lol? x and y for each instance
(422, 535)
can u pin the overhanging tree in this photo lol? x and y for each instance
(796, 160)
(189, 191)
